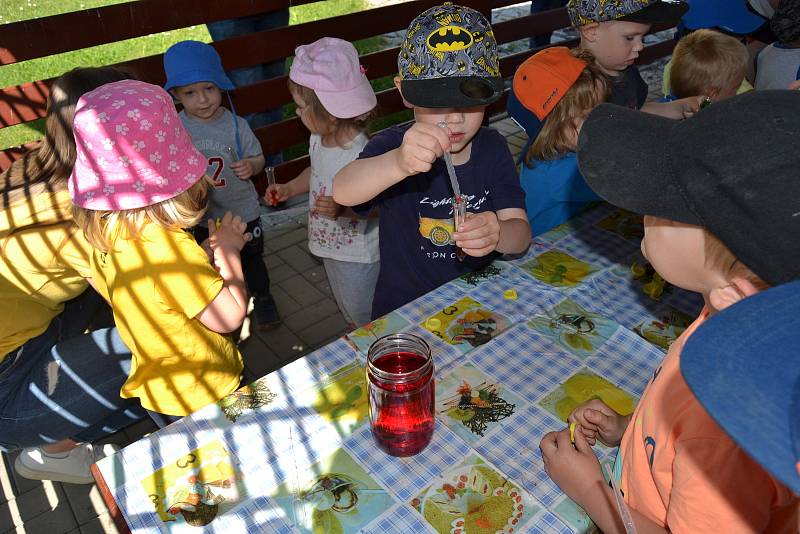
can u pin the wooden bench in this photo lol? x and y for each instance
(37, 38)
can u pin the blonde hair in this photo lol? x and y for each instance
(590, 89)
(320, 114)
(705, 62)
(47, 166)
(103, 227)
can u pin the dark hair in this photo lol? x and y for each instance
(48, 165)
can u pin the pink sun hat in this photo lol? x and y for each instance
(132, 148)
(331, 68)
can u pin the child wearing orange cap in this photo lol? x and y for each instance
(553, 91)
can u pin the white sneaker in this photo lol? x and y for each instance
(73, 466)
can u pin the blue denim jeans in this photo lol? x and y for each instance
(65, 384)
(225, 29)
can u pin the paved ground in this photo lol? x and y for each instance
(310, 320)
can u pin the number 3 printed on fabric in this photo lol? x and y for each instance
(220, 163)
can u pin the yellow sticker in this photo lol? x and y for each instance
(449, 39)
(572, 432)
(510, 294)
(219, 222)
(433, 323)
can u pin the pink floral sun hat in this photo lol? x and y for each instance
(133, 150)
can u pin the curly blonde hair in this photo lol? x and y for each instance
(103, 227)
(557, 134)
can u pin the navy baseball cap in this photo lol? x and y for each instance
(709, 171)
(189, 62)
(742, 366)
(731, 16)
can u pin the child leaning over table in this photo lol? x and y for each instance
(334, 101)
(196, 79)
(698, 188)
(613, 32)
(402, 174)
(707, 62)
(132, 198)
(552, 93)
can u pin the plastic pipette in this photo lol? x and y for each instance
(459, 208)
(624, 513)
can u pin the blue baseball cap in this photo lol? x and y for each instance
(743, 366)
(189, 62)
(732, 16)
(524, 118)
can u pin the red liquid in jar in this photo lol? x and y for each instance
(403, 413)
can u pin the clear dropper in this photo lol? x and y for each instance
(459, 209)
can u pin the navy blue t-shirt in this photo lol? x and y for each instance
(416, 216)
(629, 89)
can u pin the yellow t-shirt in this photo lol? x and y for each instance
(44, 261)
(157, 284)
(683, 472)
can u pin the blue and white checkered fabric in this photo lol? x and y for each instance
(617, 298)
(602, 247)
(431, 303)
(308, 371)
(273, 442)
(532, 297)
(547, 523)
(626, 360)
(526, 362)
(406, 477)
(511, 447)
(401, 519)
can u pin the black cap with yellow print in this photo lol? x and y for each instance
(449, 59)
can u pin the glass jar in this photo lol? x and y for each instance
(401, 393)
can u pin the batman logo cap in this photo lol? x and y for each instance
(449, 59)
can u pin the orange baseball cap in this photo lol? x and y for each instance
(544, 78)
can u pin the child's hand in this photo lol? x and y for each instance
(326, 207)
(422, 144)
(206, 246)
(575, 469)
(691, 105)
(243, 169)
(276, 193)
(229, 235)
(479, 233)
(598, 421)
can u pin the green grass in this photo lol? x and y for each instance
(55, 65)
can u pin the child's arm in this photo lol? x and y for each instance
(248, 167)
(577, 472)
(682, 108)
(227, 311)
(507, 231)
(296, 186)
(364, 179)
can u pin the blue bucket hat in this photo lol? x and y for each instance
(731, 16)
(189, 62)
(742, 366)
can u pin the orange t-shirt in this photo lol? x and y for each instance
(682, 471)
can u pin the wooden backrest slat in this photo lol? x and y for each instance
(16, 108)
(30, 39)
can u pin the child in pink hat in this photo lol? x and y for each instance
(334, 101)
(137, 183)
